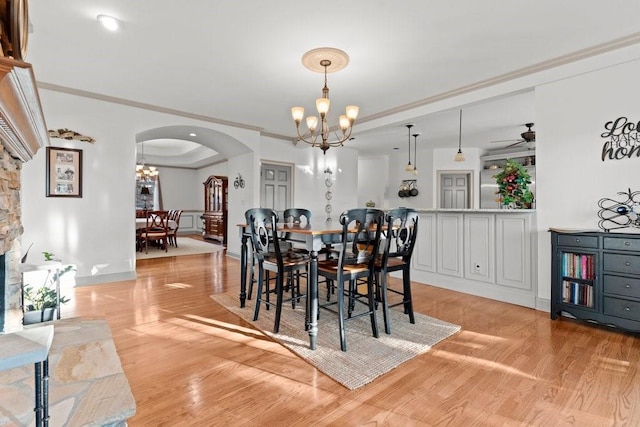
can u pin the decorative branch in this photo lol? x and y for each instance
(70, 134)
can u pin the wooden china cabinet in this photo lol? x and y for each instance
(215, 208)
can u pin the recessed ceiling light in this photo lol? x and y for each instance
(109, 22)
(192, 134)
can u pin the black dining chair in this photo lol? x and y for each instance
(359, 244)
(270, 258)
(399, 240)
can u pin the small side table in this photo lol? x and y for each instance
(30, 346)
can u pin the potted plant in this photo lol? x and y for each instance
(41, 302)
(513, 185)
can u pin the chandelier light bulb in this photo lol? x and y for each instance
(344, 123)
(312, 123)
(322, 104)
(297, 113)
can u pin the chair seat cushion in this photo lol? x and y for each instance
(289, 259)
(391, 263)
(330, 266)
(153, 234)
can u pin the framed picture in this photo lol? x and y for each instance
(64, 172)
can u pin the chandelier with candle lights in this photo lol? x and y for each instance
(325, 60)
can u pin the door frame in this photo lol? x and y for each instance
(470, 173)
(291, 166)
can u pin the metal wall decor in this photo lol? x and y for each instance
(622, 139)
(621, 213)
(238, 182)
(328, 194)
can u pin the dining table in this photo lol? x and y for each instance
(314, 238)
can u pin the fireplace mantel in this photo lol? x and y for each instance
(22, 133)
(22, 127)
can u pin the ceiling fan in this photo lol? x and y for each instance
(526, 136)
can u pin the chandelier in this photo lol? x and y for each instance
(144, 172)
(327, 60)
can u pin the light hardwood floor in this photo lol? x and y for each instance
(191, 362)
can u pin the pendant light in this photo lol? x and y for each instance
(459, 157)
(415, 153)
(409, 167)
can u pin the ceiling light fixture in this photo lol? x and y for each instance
(409, 167)
(143, 172)
(415, 153)
(109, 22)
(459, 157)
(327, 60)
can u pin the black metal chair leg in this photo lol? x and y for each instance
(408, 301)
(258, 295)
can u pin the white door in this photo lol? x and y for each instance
(454, 192)
(275, 186)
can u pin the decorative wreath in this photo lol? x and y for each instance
(513, 185)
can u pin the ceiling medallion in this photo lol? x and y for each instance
(69, 134)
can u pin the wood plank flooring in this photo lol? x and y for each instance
(190, 362)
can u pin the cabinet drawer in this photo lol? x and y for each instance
(622, 308)
(578, 241)
(628, 264)
(623, 286)
(621, 243)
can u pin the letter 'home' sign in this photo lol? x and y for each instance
(622, 139)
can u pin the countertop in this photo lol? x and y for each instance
(501, 211)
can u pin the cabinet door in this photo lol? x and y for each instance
(450, 244)
(424, 257)
(479, 249)
(513, 251)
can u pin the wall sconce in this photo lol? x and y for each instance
(238, 182)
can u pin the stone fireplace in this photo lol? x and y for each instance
(10, 231)
(22, 133)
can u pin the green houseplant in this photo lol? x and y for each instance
(41, 301)
(513, 185)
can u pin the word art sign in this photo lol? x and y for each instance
(622, 139)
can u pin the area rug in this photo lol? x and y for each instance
(186, 246)
(366, 357)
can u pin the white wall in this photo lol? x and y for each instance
(96, 232)
(570, 176)
(373, 181)
(178, 189)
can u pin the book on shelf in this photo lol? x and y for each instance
(579, 266)
(577, 293)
